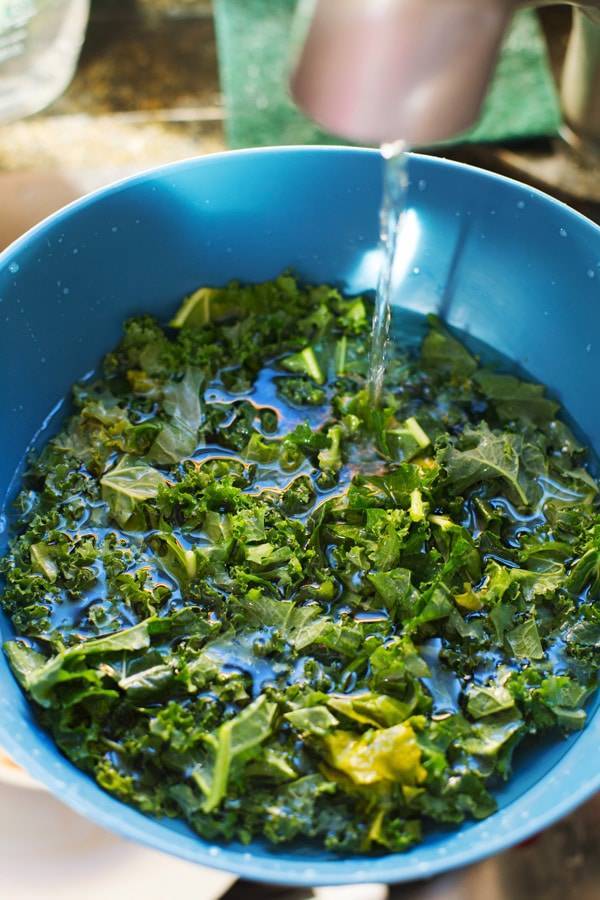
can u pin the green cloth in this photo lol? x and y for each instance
(253, 40)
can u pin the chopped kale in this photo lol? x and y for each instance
(245, 597)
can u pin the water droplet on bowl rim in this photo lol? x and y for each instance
(13, 268)
(563, 232)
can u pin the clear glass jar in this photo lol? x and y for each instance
(40, 42)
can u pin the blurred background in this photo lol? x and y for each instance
(92, 92)
(160, 80)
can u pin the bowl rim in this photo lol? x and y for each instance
(190, 162)
(297, 871)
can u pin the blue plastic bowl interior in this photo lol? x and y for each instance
(509, 266)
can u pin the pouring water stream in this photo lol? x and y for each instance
(391, 215)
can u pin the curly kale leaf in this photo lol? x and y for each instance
(483, 456)
(444, 354)
(515, 399)
(127, 485)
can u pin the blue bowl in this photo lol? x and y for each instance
(509, 266)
